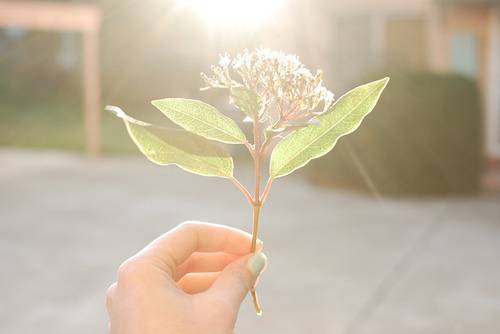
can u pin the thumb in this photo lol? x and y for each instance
(238, 278)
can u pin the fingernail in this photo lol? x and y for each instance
(260, 245)
(256, 263)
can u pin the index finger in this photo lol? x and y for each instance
(175, 246)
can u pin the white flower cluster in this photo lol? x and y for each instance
(280, 80)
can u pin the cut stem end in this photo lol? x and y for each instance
(256, 304)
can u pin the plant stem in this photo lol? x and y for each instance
(243, 190)
(250, 148)
(256, 160)
(265, 193)
(256, 203)
(255, 231)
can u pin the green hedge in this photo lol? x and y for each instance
(423, 138)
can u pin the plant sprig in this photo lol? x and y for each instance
(294, 120)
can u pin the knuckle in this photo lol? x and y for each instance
(129, 271)
(110, 293)
(111, 290)
(188, 224)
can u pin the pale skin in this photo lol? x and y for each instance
(190, 280)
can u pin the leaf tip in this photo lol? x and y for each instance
(385, 81)
(155, 102)
(117, 111)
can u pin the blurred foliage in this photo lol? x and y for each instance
(423, 138)
(55, 124)
(29, 66)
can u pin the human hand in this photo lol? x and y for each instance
(190, 280)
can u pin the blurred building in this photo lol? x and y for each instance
(461, 36)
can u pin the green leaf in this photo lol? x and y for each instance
(247, 101)
(165, 146)
(202, 119)
(314, 141)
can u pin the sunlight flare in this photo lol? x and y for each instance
(234, 13)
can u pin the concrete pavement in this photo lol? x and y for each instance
(339, 262)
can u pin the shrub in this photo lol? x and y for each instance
(424, 138)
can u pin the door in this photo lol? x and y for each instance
(406, 43)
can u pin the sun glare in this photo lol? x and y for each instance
(245, 14)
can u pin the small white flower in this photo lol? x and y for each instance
(224, 60)
(280, 80)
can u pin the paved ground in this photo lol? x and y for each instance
(339, 262)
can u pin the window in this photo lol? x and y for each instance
(463, 52)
